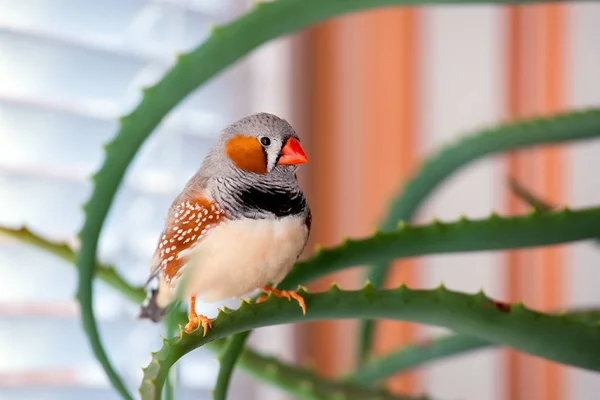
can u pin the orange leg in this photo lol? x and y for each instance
(283, 293)
(194, 319)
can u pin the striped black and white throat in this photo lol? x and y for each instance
(260, 200)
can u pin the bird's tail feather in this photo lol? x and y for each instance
(150, 309)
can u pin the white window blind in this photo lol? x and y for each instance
(68, 69)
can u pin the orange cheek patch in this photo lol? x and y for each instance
(247, 154)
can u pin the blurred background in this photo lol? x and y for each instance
(370, 93)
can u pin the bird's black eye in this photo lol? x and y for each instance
(265, 141)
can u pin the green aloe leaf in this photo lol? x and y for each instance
(528, 197)
(302, 383)
(414, 355)
(105, 273)
(565, 127)
(492, 233)
(561, 338)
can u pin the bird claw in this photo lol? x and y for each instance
(195, 320)
(282, 293)
(261, 299)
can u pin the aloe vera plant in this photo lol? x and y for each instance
(297, 381)
(478, 320)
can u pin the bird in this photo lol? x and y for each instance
(239, 224)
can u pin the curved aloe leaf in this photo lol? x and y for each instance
(580, 125)
(414, 355)
(230, 355)
(559, 338)
(528, 197)
(105, 273)
(302, 383)
(492, 233)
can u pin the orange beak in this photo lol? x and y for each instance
(292, 153)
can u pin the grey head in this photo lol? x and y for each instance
(254, 147)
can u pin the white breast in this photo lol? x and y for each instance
(243, 255)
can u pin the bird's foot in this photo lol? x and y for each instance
(194, 319)
(282, 293)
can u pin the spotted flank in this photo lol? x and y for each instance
(191, 221)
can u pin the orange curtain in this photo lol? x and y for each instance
(535, 56)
